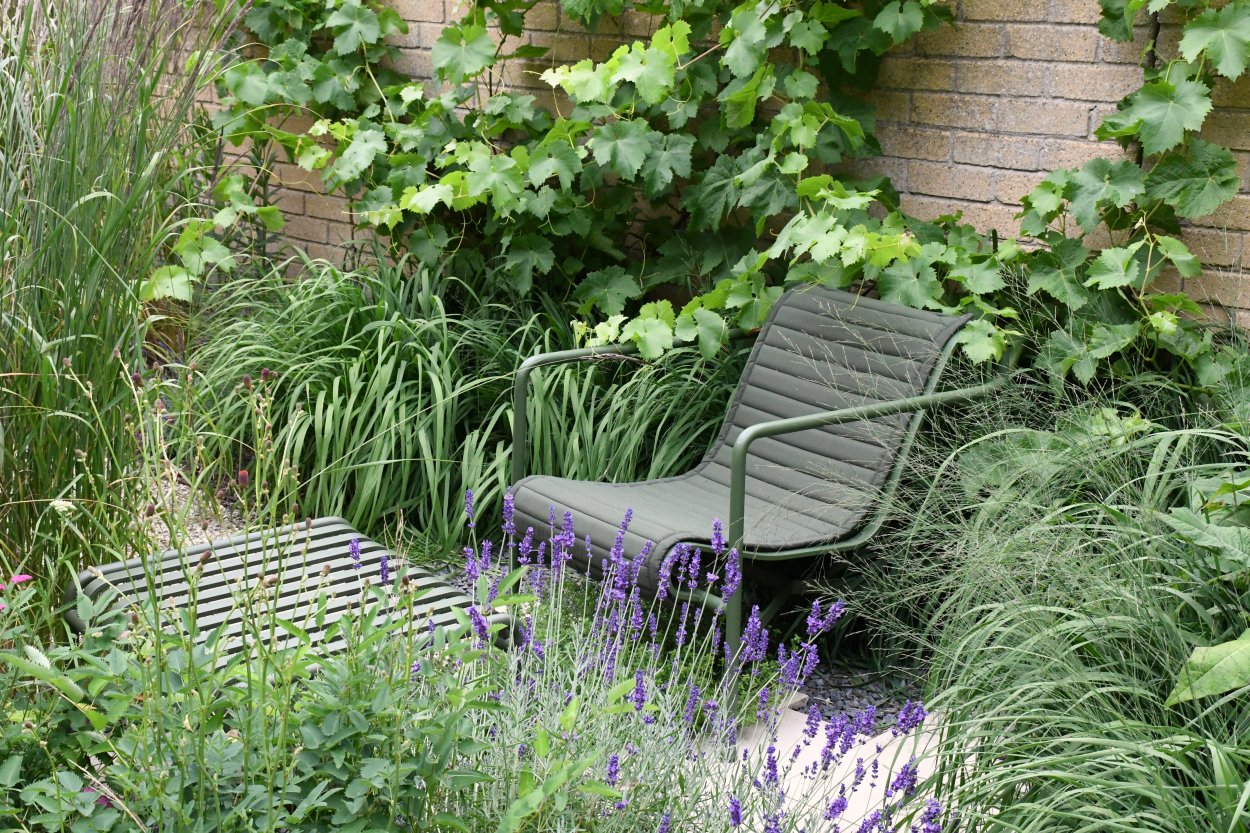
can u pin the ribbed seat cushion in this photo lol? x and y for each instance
(301, 564)
(820, 350)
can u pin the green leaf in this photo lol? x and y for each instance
(359, 155)
(1115, 267)
(1214, 670)
(1230, 543)
(913, 284)
(527, 255)
(652, 336)
(899, 20)
(608, 289)
(248, 83)
(1166, 111)
(423, 199)
(585, 81)
(714, 195)
(167, 282)
(745, 36)
(463, 51)
(1225, 37)
(809, 35)
(982, 341)
(1100, 182)
(1196, 183)
(1055, 273)
(705, 327)
(668, 158)
(983, 277)
(1177, 252)
(622, 146)
(1062, 353)
(354, 26)
(558, 159)
(1106, 340)
(740, 96)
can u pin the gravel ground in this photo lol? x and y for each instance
(202, 520)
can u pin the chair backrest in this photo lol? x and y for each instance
(824, 349)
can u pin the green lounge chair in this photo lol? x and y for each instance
(812, 447)
(309, 574)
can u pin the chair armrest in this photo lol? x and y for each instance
(520, 392)
(520, 388)
(772, 428)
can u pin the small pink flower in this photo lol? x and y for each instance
(2, 605)
(19, 578)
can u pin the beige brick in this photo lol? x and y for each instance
(1003, 10)
(290, 201)
(1230, 94)
(545, 17)
(562, 46)
(1057, 153)
(1073, 11)
(327, 207)
(942, 109)
(1242, 319)
(929, 208)
(970, 40)
(1011, 186)
(1243, 168)
(1016, 152)
(1169, 280)
(1232, 215)
(916, 74)
(309, 229)
(914, 142)
(1230, 129)
(1213, 247)
(893, 106)
(1095, 82)
(1052, 43)
(1229, 288)
(985, 217)
(1122, 52)
(1169, 42)
(1011, 77)
(324, 251)
(293, 176)
(430, 11)
(1042, 116)
(895, 169)
(944, 180)
(340, 233)
(415, 63)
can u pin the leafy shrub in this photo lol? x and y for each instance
(1057, 581)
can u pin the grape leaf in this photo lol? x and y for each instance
(1197, 183)
(422, 200)
(1103, 181)
(608, 289)
(623, 146)
(354, 26)
(1224, 35)
(899, 20)
(652, 336)
(740, 96)
(585, 81)
(704, 326)
(1055, 273)
(1166, 111)
(463, 51)
(527, 255)
(1105, 340)
(558, 159)
(1115, 267)
(912, 284)
(668, 158)
(982, 341)
(981, 277)
(1061, 354)
(248, 83)
(358, 156)
(167, 282)
(1177, 252)
(745, 35)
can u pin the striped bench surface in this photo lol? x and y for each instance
(300, 564)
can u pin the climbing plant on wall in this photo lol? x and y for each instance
(679, 185)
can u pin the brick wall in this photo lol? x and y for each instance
(970, 117)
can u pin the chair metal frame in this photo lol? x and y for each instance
(931, 398)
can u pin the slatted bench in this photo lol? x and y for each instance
(299, 566)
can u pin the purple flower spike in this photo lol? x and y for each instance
(692, 704)
(353, 549)
(384, 570)
(733, 575)
(666, 824)
(836, 808)
(471, 569)
(718, 537)
(735, 811)
(909, 717)
(929, 818)
(480, 625)
(509, 509)
(468, 508)
(905, 781)
(639, 696)
(614, 770)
